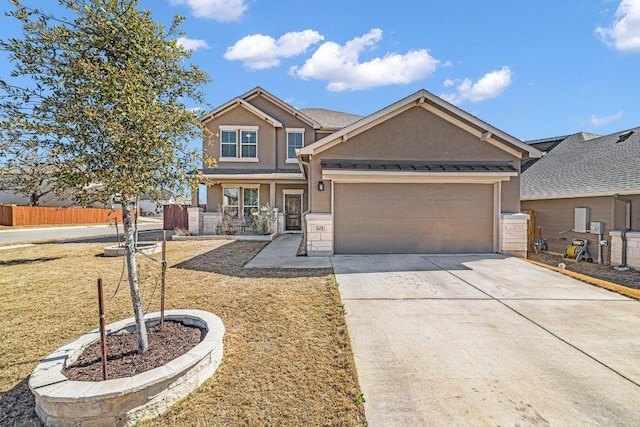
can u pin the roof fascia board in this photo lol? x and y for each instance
(238, 102)
(581, 195)
(533, 152)
(289, 176)
(280, 103)
(470, 129)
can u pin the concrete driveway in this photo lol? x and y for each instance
(488, 340)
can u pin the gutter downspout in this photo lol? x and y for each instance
(306, 211)
(627, 228)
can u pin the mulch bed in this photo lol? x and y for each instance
(629, 278)
(123, 359)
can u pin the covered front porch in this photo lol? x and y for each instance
(234, 200)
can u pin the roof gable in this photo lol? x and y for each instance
(583, 166)
(437, 106)
(235, 103)
(258, 91)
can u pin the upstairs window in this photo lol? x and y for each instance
(239, 143)
(295, 140)
(249, 142)
(229, 143)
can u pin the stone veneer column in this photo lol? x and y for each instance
(513, 234)
(319, 234)
(633, 248)
(196, 221)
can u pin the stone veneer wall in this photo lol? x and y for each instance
(513, 234)
(206, 223)
(319, 234)
(633, 248)
(210, 221)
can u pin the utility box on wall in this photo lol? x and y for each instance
(581, 222)
(597, 227)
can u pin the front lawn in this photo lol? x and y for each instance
(287, 357)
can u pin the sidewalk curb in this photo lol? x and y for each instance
(614, 287)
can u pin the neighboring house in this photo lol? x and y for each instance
(147, 207)
(600, 173)
(419, 176)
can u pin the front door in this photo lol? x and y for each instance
(292, 209)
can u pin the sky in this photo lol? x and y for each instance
(533, 69)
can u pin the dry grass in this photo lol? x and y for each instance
(287, 358)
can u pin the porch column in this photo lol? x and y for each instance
(195, 196)
(196, 220)
(272, 194)
(513, 234)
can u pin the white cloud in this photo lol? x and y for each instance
(219, 10)
(341, 67)
(259, 52)
(624, 33)
(192, 44)
(599, 121)
(488, 86)
(449, 83)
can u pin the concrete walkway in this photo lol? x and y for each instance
(488, 340)
(281, 253)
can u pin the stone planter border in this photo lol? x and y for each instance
(124, 401)
(147, 248)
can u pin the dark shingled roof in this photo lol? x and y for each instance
(417, 166)
(583, 164)
(224, 171)
(331, 119)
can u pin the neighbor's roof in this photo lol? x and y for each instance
(330, 119)
(586, 166)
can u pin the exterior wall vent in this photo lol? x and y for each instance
(624, 136)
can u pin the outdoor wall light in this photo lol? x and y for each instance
(320, 185)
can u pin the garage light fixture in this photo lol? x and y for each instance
(320, 185)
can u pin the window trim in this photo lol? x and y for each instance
(288, 131)
(238, 129)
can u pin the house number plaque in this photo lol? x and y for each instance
(319, 228)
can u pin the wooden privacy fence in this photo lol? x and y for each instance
(175, 216)
(531, 229)
(13, 215)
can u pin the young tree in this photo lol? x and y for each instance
(106, 96)
(27, 170)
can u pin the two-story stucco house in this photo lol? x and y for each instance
(419, 176)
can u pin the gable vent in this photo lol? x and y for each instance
(624, 136)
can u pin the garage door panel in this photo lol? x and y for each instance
(413, 218)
